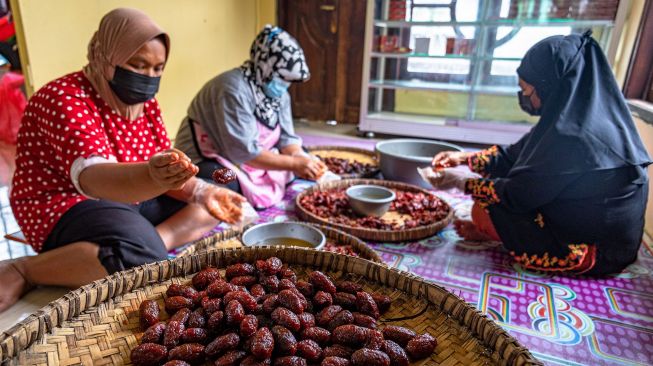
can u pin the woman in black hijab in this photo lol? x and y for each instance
(571, 194)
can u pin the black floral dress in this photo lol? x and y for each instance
(581, 222)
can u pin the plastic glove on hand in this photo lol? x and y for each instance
(325, 174)
(446, 178)
(249, 216)
(308, 166)
(221, 203)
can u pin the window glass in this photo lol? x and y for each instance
(458, 59)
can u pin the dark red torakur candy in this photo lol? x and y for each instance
(223, 176)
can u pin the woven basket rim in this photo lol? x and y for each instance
(22, 335)
(373, 234)
(334, 231)
(329, 232)
(216, 237)
(373, 154)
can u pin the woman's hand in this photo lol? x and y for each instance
(171, 169)
(447, 178)
(307, 168)
(221, 203)
(449, 159)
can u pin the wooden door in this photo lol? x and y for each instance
(331, 32)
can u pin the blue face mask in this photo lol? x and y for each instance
(275, 88)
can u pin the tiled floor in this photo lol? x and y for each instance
(11, 249)
(8, 249)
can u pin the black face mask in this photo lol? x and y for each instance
(527, 106)
(132, 87)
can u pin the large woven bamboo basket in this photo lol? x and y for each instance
(371, 154)
(232, 239)
(373, 234)
(98, 324)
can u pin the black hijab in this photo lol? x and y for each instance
(585, 123)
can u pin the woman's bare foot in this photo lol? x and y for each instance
(468, 231)
(14, 284)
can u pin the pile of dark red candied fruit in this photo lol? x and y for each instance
(263, 315)
(346, 166)
(424, 209)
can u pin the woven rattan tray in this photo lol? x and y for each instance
(350, 153)
(231, 239)
(372, 234)
(98, 324)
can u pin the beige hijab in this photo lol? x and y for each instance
(121, 33)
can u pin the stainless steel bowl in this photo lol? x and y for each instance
(263, 234)
(370, 200)
(400, 158)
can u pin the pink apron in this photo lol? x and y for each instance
(262, 188)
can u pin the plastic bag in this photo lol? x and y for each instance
(327, 176)
(447, 178)
(12, 106)
(429, 175)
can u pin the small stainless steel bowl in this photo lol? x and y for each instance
(370, 200)
(262, 234)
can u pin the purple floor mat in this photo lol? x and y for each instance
(562, 320)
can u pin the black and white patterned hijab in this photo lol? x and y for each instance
(274, 52)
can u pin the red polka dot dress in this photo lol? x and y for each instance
(64, 121)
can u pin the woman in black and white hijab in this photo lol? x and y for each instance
(242, 120)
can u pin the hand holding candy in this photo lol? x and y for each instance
(449, 159)
(171, 169)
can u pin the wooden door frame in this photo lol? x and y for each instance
(342, 112)
(639, 77)
(341, 67)
(283, 9)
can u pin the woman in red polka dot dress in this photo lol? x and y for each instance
(97, 188)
